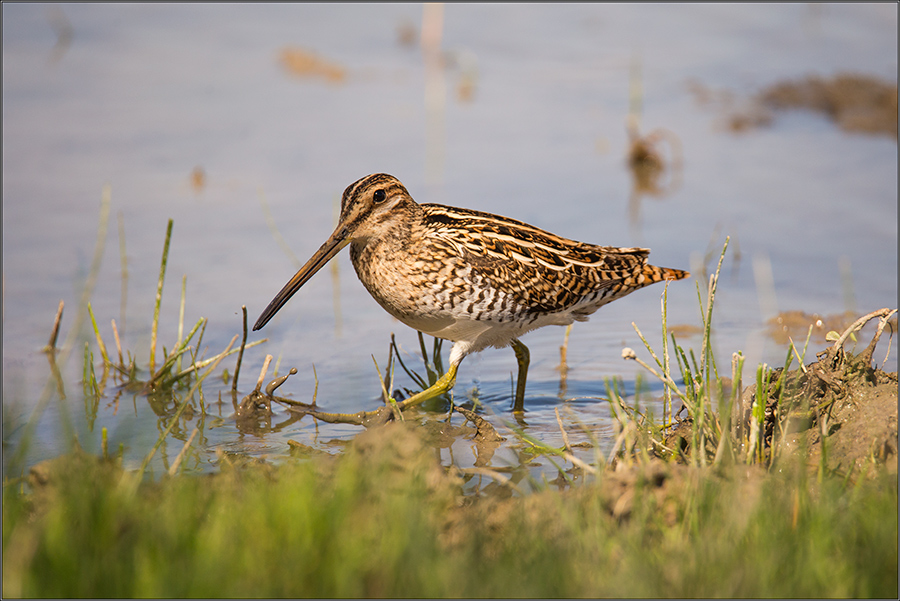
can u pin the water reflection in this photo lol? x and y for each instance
(649, 166)
(645, 158)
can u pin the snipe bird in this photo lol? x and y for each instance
(474, 278)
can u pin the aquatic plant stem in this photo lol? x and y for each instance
(181, 314)
(667, 393)
(159, 288)
(237, 367)
(54, 334)
(118, 343)
(100, 344)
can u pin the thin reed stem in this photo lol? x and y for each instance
(181, 313)
(159, 289)
(100, 344)
(118, 344)
(237, 367)
(54, 334)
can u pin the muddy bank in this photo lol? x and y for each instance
(838, 413)
(855, 102)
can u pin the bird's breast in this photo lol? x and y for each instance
(431, 290)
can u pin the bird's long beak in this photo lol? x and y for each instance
(338, 240)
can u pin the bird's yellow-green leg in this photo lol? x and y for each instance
(443, 384)
(523, 357)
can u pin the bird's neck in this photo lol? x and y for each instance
(402, 229)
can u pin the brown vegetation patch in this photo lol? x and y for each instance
(855, 102)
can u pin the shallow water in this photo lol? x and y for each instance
(526, 119)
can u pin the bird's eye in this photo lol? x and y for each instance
(379, 196)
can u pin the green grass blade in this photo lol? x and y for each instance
(97, 335)
(159, 290)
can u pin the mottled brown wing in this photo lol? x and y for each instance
(542, 271)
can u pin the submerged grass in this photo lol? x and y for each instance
(386, 519)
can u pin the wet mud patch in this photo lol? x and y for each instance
(854, 102)
(863, 429)
(857, 103)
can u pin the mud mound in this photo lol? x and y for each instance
(839, 411)
(840, 408)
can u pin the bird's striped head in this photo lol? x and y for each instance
(370, 207)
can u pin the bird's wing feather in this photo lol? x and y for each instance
(540, 270)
